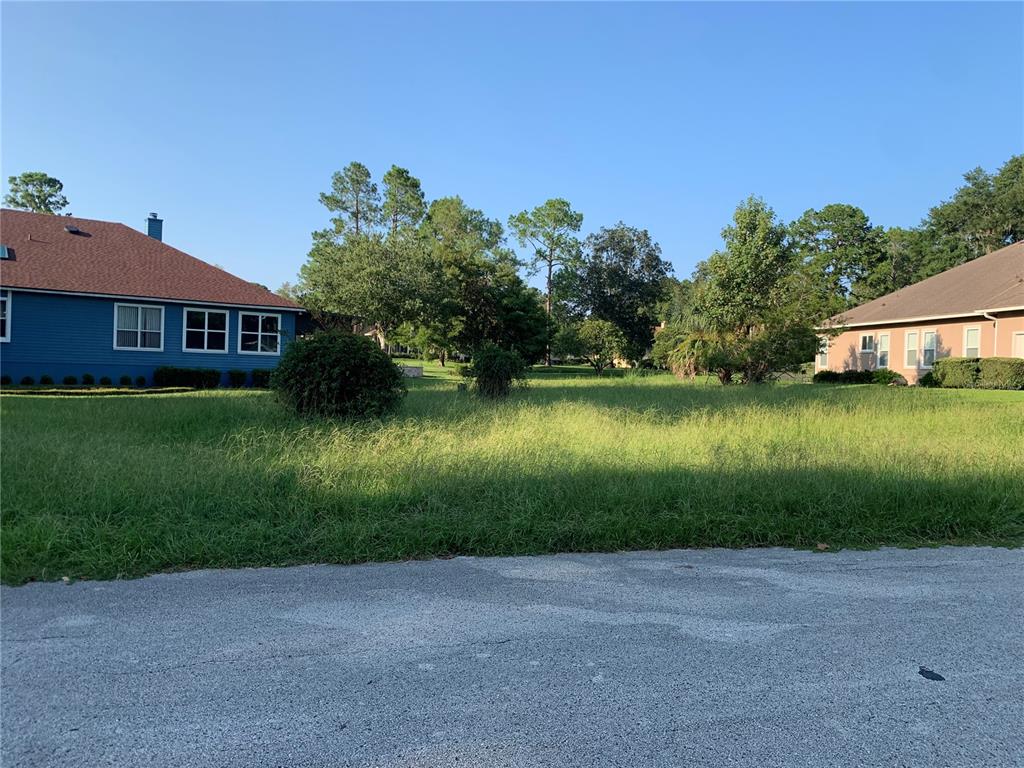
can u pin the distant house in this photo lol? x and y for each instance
(81, 296)
(973, 310)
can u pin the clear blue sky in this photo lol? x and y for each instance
(228, 119)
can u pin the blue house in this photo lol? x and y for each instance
(79, 296)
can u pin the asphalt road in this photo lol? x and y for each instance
(710, 658)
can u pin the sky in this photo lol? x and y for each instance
(228, 119)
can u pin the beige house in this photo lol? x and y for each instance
(974, 310)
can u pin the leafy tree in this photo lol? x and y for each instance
(355, 197)
(599, 342)
(620, 278)
(838, 246)
(550, 230)
(35, 191)
(676, 304)
(404, 204)
(903, 252)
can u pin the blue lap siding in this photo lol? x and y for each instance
(64, 335)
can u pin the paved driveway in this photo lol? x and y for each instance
(716, 658)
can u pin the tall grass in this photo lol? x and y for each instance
(106, 487)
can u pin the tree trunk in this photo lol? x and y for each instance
(547, 306)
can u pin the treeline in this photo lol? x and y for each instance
(440, 276)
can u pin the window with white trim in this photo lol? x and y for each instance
(206, 330)
(911, 347)
(867, 343)
(138, 326)
(259, 334)
(5, 315)
(823, 351)
(1018, 345)
(972, 342)
(928, 349)
(883, 350)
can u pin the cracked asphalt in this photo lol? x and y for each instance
(681, 658)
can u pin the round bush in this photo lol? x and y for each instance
(6, 381)
(88, 379)
(495, 371)
(338, 374)
(45, 380)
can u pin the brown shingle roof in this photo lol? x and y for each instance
(993, 281)
(110, 258)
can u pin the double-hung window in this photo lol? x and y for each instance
(5, 315)
(823, 352)
(911, 347)
(972, 342)
(867, 344)
(928, 349)
(206, 330)
(138, 326)
(883, 350)
(259, 334)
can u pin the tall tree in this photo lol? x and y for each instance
(35, 191)
(355, 197)
(620, 278)
(550, 230)
(839, 247)
(404, 204)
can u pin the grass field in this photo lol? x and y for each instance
(121, 486)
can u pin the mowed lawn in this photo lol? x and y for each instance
(122, 486)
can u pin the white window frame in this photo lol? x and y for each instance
(906, 349)
(7, 297)
(1013, 339)
(823, 346)
(972, 328)
(260, 315)
(935, 349)
(887, 350)
(873, 346)
(163, 319)
(207, 313)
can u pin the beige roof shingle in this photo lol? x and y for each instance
(993, 281)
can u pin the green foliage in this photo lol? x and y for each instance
(140, 381)
(354, 197)
(336, 374)
(495, 371)
(676, 304)
(6, 380)
(666, 341)
(928, 380)
(70, 381)
(197, 378)
(105, 381)
(45, 380)
(880, 376)
(261, 378)
(1001, 373)
(88, 379)
(888, 377)
(125, 381)
(600, 343)
(957, 372)
(620, 278)
(404, 205)
(27, 381)
(237, 378)
(35, 191)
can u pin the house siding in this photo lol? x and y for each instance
(63, 335)
(997, 340)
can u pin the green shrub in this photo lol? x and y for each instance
(88, 379)
(957, 372)
(1001, 373)
(827, 377)
(338, 374)
(46, 380)
(5, 381)
(125, 381)
(70, 381)
(237, 378)
(261, 377)
(105, 381)
(887, 376)
(928, 380)
(140, 381)
(27, 381)
(197, 378)
(495, 371)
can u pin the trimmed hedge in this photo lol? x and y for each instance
(261, 378)
(88, 379)
(881, 376)
(957, 372)
(198, 378)
(1001, 373)
(237, 378)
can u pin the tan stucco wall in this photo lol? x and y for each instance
(843, 350)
